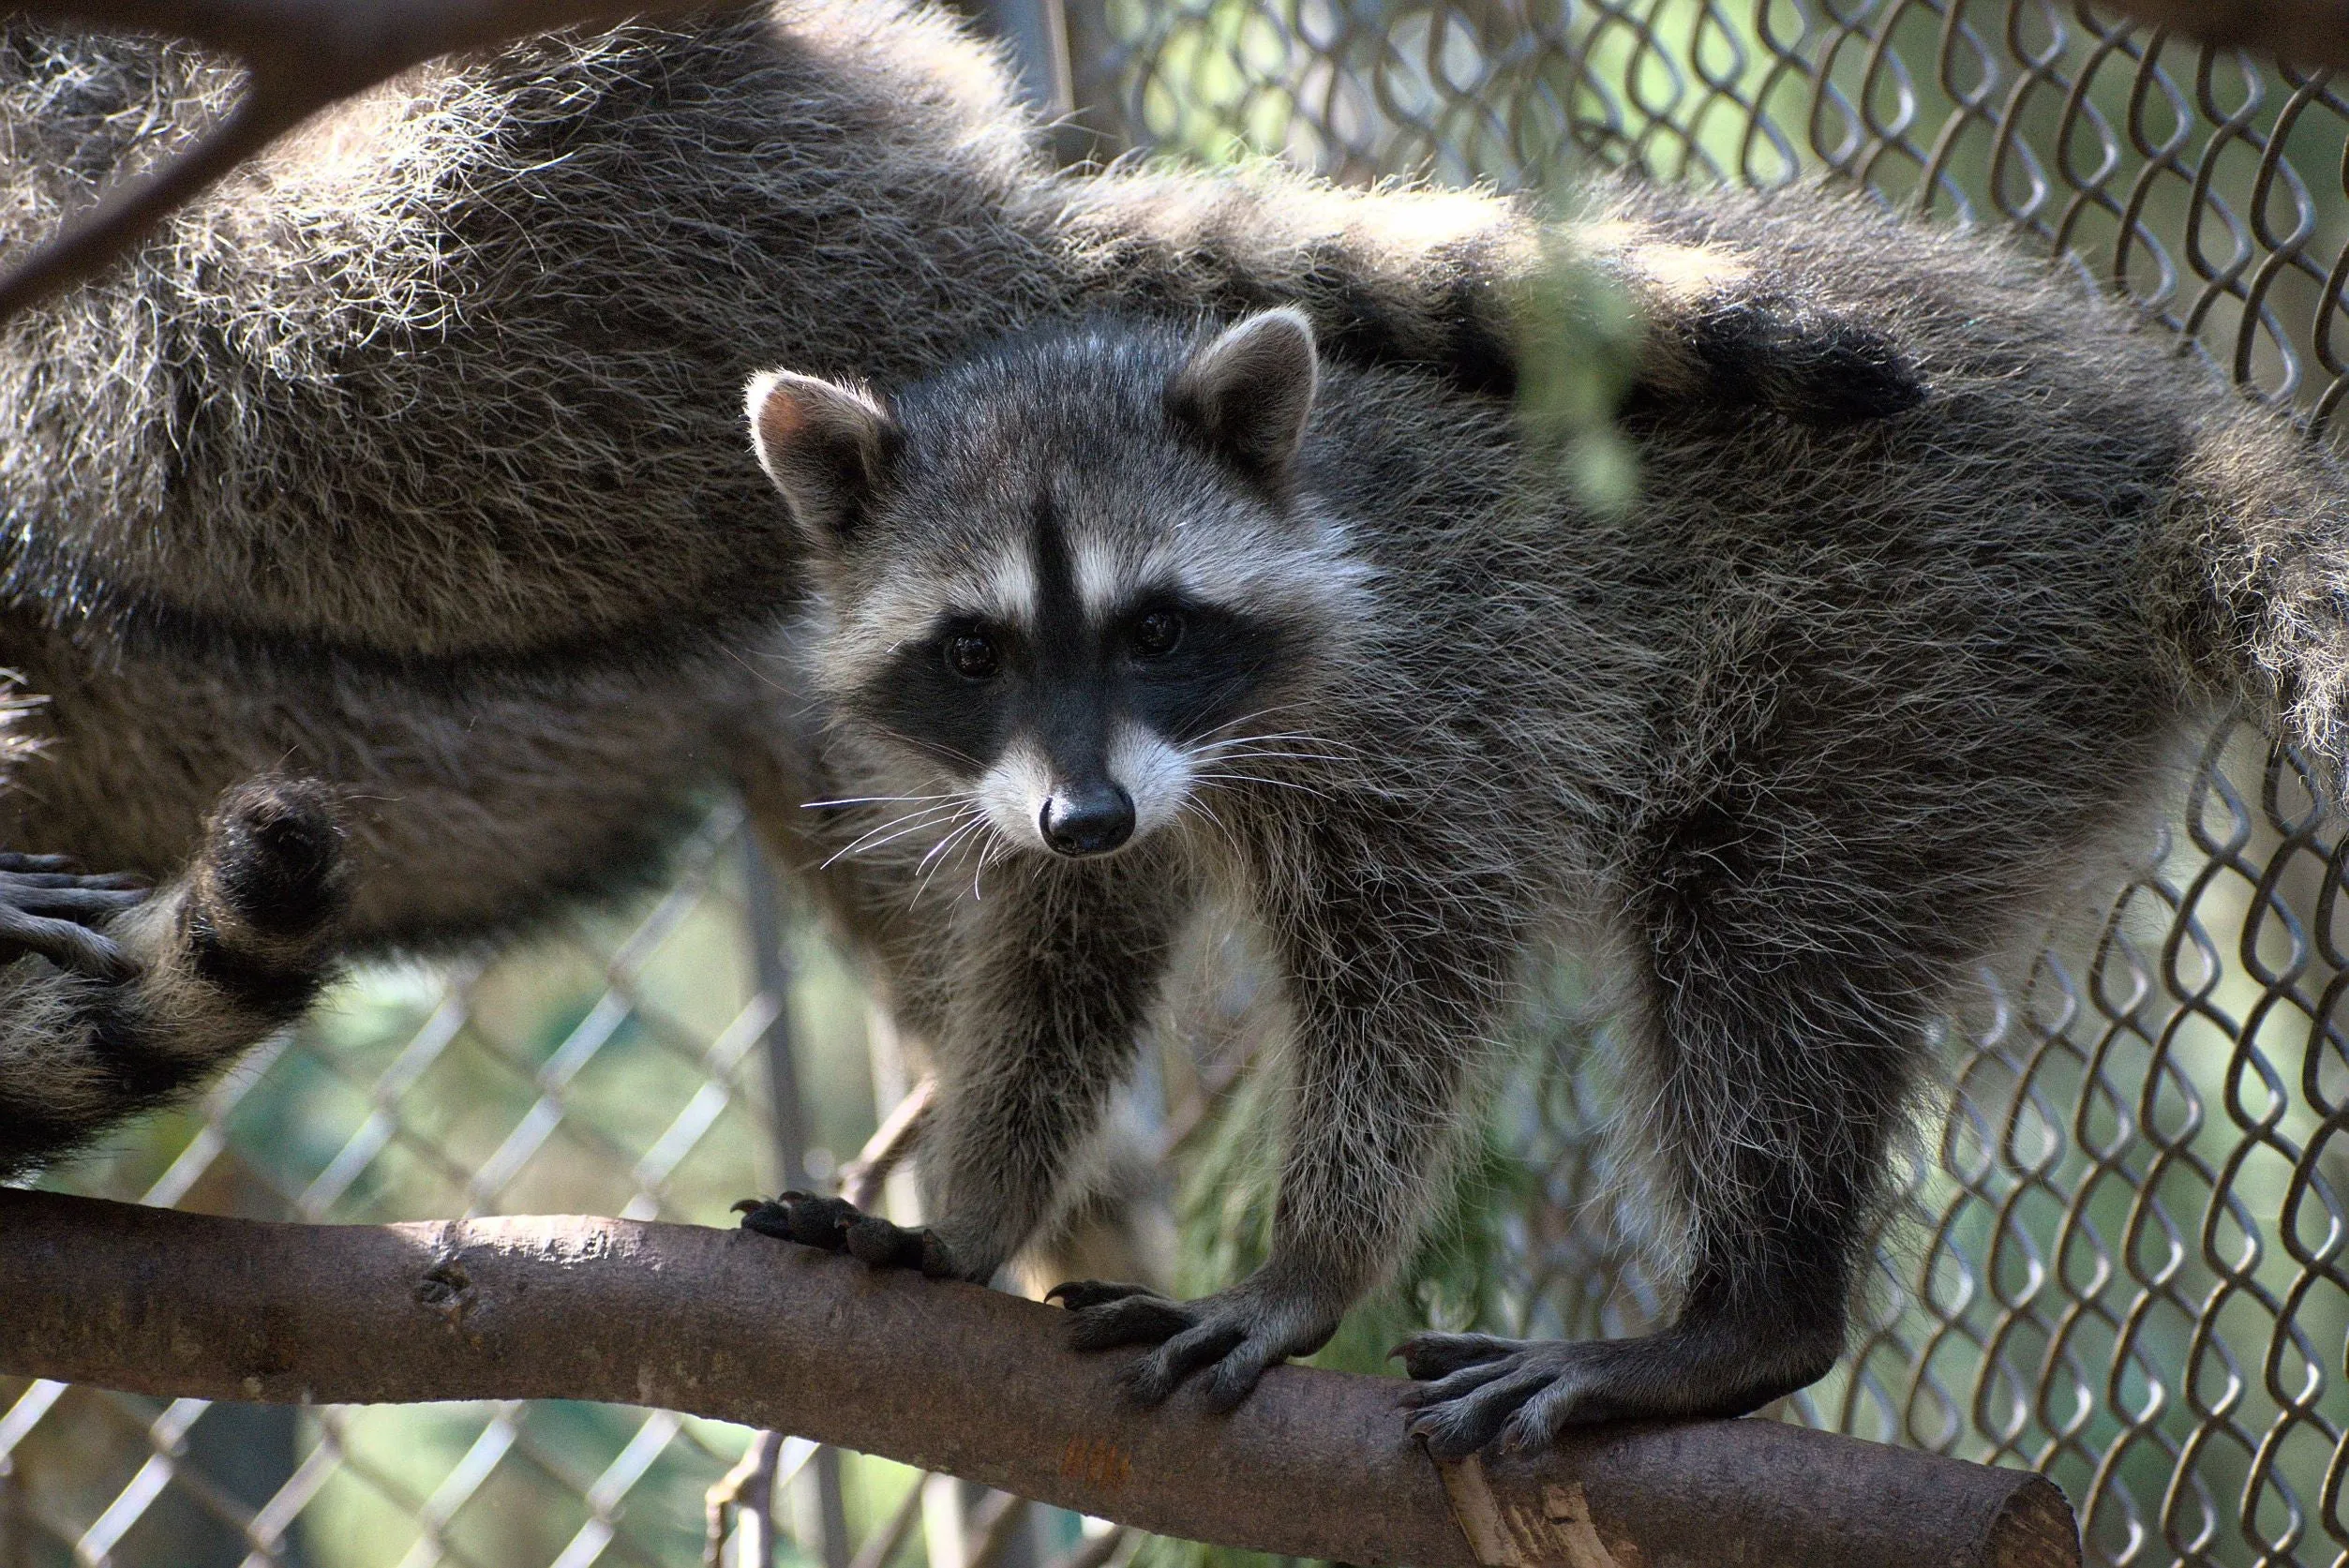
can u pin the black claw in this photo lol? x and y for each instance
(1140, 1318)
(821, 1222)
(1459, 1427)
(836, 1225)
(1447, 1440)
(1430, 1356)
(1077, 1294)
(876, 1242)
(937, 1259)
(766, 1218)
(1234, 1381)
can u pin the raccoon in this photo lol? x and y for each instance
(390, 461)
(1121, 621)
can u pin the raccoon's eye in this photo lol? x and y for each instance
(972, 655)
(1155, 634)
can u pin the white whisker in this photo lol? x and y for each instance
(1264, 779)
(913, 822)
(937, 856)
(1273, 756)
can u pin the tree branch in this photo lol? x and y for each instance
(732, 1325)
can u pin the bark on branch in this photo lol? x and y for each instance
(947, 1377)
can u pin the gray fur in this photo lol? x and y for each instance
(404, 460)
(1792, 746)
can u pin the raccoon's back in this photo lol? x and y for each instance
(1985, 584)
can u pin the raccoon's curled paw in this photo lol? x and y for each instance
(1238, 1333)
(836, 1225)
(1475, 1387)
(272, 879)
(47, 909)
(1819, 368)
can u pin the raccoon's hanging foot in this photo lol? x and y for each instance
(1816, 368)
(1739, 350)
(1237, 1332)
(836, 1225)
(1475, 1387)
(47, 909)
(144, 997)
(1718, 330)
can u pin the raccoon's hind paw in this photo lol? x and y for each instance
(836, 1225)
(1817, 368)
(48, 910)
(1526, 1394)
(268, 892)
(1237, 1332)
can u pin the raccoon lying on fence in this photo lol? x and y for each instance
(1116, 619)
(393, 461)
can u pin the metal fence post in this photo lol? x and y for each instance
(769, 930)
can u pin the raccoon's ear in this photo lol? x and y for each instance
(828, 446)
(1250, 390)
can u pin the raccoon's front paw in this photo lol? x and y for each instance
(1238, 1333)
(1475, 1388)
(836, 1225)
(48, 909)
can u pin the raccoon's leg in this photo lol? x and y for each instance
(1051, 979)
(1392, 982)
(1772, 1056)
(111, 1021)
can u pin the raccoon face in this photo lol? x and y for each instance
(1072, 577)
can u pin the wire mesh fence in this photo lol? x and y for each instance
(2126, 1255)
(2125, 1262)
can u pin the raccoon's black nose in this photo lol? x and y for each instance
(1091, 820)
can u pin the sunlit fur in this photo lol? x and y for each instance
(1792, 746)
(407, 456)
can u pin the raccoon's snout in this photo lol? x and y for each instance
(1092, 819)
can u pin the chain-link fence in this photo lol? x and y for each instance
(2127, 1258)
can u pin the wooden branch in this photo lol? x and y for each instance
(950, 1378)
